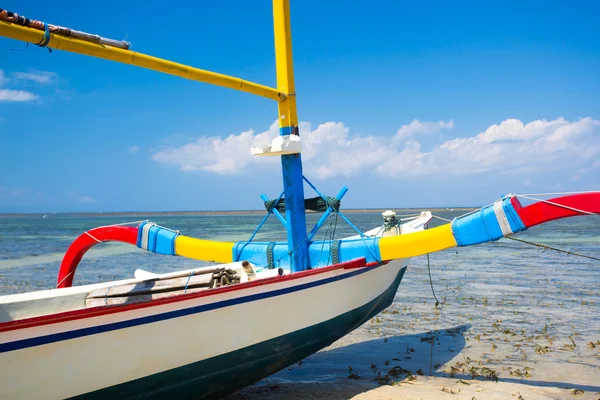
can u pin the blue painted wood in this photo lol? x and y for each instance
(295, 215)
(325, 215)
(276, 211)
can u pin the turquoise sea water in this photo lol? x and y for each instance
(506, 304)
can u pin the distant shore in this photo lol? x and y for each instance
(224, 212)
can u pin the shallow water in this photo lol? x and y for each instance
(505, 305)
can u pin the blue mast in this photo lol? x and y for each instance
(291, 163)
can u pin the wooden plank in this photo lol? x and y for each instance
(153, 286)
(112, 301)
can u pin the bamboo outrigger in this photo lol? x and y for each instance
(206, 332)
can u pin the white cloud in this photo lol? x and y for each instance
(134, 149)
(508, 146)
(17, 95)
(3, 78)
(331, 150)
(417, 127)
(214, 154)
(39, 77)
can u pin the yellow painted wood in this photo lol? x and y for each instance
(288, 116)
(206, 250)
(416, 244)
(73, 45)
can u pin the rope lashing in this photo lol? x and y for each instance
(314, 204)
(270, 258)
(335, 251)
(543, 246)
(46, 39)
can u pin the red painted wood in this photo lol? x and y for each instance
(126, 234)
(541, 212)
(98, 311)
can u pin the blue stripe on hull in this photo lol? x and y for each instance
(57, 337)
(224, 374)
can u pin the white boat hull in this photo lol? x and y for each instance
(190, 344)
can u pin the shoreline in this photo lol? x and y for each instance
(222, 212)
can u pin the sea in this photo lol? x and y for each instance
(503, 312)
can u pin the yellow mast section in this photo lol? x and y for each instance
(74, 45)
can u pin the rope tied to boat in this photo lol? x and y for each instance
(556, 204)
(315, 204)
(546, 247)
(45, 39)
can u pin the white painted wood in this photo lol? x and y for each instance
(63, 369)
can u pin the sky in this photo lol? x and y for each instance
(409, 104)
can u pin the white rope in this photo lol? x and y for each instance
(557, 205)
(65, 278)
(477, 209)
(558, 193)
(108, 226)
(90, 235)
(121, 224)
(442, 218)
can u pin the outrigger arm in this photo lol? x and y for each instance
(504, 218)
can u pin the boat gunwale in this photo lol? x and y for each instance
(73, 315)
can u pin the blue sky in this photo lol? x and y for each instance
(410, 104)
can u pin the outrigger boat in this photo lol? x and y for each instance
(209, 331)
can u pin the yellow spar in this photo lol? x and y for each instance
(74, 45)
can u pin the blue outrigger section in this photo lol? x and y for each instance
(488, 224)
(156, 239)
(321, 253)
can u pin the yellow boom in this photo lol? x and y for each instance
(74, 45)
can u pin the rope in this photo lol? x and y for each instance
(323, 242)
(437, 302)
(553, 248)
(46, 38)
(558, 193)
(270, 247)
(122, 223)
(314, 204)
(65, 278)
(106, 295)
(188, 282)
(557, 205)
(335, 251)
(442, 218)
(90, 235)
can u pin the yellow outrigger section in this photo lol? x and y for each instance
(205, 250)
(390, 247)
(417, 244)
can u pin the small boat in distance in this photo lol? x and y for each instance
(206, 332)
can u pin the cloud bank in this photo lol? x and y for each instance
(330, 150)
(22, 96)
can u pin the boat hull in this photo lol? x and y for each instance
(207, 348)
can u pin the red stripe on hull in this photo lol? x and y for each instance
(98, 311)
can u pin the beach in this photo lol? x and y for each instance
(512, 320)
